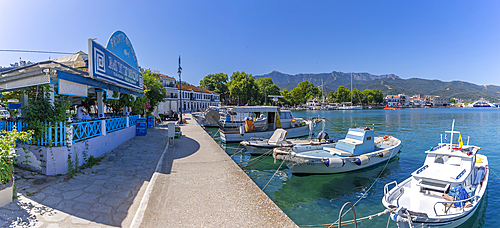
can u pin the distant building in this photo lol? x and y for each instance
(196, 99)
(397, 100)
(171, 101)
(440, 101)
(417, 102)
(193, 98)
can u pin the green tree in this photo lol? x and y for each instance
(357, 96)
(267, 87)
(368, 97)
(330, 97)
(125, 100)
(154, 92)
(287, 97)
(243, 87)
(216, 83)
(378, 96)
(303, 92)
(342, 94)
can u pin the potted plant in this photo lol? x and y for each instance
(8, 141)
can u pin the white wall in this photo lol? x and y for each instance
(57, 157)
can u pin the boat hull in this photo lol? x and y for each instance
(294, 132)
(262, 149)
(350, 108)
(318, 167)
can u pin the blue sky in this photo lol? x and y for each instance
(445, 40)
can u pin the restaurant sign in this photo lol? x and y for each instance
(107, 66)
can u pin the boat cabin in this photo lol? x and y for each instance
(444, 168)
(357, 141)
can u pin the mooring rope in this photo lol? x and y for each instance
(494, 173)
(273, 175)
(237, 152)
(363, 196)
(366, 192)
(349, 222)
(257, 159)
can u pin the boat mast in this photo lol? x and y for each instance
(351, 88)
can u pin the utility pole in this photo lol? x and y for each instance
(180, 88)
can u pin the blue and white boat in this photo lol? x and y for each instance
(359, 150)
(482, 103)
(445, 191)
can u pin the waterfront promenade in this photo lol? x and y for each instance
(200, 186)
(197, 185)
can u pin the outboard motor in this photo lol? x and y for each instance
(323, 135)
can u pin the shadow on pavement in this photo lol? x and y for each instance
(183, 147)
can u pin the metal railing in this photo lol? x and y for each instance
(133, 120)
(55, 134)
(86, 130)
(115, 124)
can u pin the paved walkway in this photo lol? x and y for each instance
(200, 186)
(106, 195)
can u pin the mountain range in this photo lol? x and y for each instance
(389, 84)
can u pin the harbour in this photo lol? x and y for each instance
(317, 199)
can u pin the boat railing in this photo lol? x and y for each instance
(257, 139)
(453, 202)
(386, 187)
(386, 191)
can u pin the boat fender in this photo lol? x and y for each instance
(334, 162)
(362, 160)
(385, 137)
(384, 154)
(242, 129)
(398, 219)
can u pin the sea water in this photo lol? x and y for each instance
(317, 199)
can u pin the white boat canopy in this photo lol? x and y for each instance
(246, 109)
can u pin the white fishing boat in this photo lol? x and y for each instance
(278, 139)
(295, 127)
(226, 118)
(360, 149)
(445, 191)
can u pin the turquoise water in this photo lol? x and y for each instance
(317, 199)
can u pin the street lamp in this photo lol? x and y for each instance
(180, 87)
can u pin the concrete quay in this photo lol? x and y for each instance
(195, 184)
(200, 186)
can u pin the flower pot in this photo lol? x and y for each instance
(6, 191)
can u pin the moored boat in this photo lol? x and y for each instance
(295, 127)
(360, 149)
(278, 139)
(390, 108)
(445, 191)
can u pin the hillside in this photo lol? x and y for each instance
(390, 84)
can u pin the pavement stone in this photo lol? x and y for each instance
(81, 206)
(86, 197)
(51, 201)
(93, 189)
(72, 194)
